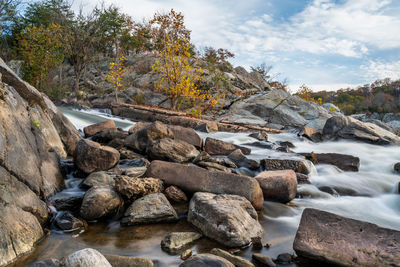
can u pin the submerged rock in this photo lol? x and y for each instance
(45, 263)
(342, 161)
(99, 202)
(92, 157)
(354, 243)
(206, 260)
(68, 222)
(87, 257)
(195, 179)
(260, 136)
(98, 127)
(229, 219)
(279, 186)
(172, 150)
(153, 208)
(397, 167)
(125, 261)
(236, 260)
(264, 259)
(175, 242)
(219, 147)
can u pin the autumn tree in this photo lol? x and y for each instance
(114, 76)
(41, 48)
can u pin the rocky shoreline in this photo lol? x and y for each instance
(137, 177)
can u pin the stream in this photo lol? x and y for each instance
(377, 201)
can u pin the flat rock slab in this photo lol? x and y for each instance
(342, 161)
(175, 242)
(228, 219)
(124, 261)
(153, 208)
(298, 165)
(98, 127)
(206, 260)
(195, 179)
(328, 237)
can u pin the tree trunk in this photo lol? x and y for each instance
(116, 95)
(77, 78)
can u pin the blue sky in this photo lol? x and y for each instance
(326, 44)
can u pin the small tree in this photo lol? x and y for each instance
(42, 48)
(114, 76)
(264, 70)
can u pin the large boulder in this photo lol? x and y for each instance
(153, 208)
(206, 260)
(279, 186)
(143, 136)
(219, 147)
(298, 165)
(195, 179)
(99, 202)
(340, 127)
(92, 157)
(331, 238)
(229, 219)
(342, 161)
(34, 133)
(87, 257)
(172, 150)
(98, 127)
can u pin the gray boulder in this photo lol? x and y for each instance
(327, 237)
(228, 219)
(153, 208)
(87, 257)
(99, 202)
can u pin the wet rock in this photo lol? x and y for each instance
(284, 258)
(298, 165)
(131, 188)
(236, 260)
(153, 208)
(264, 259)
(340, 191)
(219, 147)
(133, 163)
(99, 202)
(256, 243)
(68, 222)
(172, 150)
(126, 154)
(175, 194)
(187, 135)
(195, 179)
(92, 157)
(186, 254)
(106, 136)
(265, 145)
(207, 127)
(229, 219)
(141, 138)
(99, 179)
(241, 161)
(206, 260)
(260, 136)
(279, 186)
(286, 144)
(45, 263)
(340, 127)
(98, 127)
(302, 178)
(397, 167)
(201, 157)
(342, 161)
(175, 242)
(87, 257)
(354, 243)
(213, 166)
(311, 134)
(125, 261)
(284, 149)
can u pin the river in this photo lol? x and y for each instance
(377, 201)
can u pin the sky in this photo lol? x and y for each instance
(325, 44)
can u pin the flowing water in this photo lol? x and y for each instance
(375, 185)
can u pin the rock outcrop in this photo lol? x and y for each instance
(33, 136)
(326, 237)
(229, 219)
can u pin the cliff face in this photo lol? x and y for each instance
(33, 136)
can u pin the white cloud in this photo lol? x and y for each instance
(377, 70)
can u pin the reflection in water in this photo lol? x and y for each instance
(375, 201)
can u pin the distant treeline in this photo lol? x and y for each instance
(381, 96)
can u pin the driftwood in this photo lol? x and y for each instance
(150, 114)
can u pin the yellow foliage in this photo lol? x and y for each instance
(115, 74)
(305, 93)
